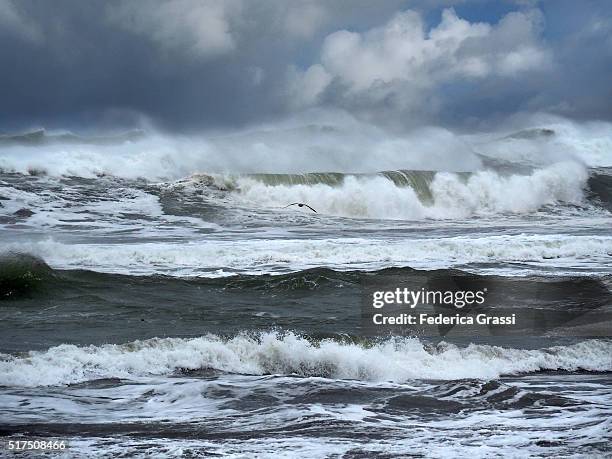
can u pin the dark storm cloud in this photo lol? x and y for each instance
(190, 64)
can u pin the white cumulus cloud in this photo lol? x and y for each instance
(403, 58)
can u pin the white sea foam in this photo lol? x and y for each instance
(367, 196)
(396, 360)
(588, 142)
(320, 142)
(453, 196)
(348, 147)
(209, 257)
(104, 209)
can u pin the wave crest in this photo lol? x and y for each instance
(259, 256)
(439, 196)
(397, 360)
(21, 275)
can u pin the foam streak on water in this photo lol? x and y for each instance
(205, 317)
(398, 360)
(213, 257)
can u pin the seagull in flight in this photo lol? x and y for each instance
(300, 204)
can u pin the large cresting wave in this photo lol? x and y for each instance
(417, 195)
(397, 360)
(214, 258)
(315, 142)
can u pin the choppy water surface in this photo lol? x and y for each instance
(195, 314)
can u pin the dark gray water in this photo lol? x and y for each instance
(198, 316)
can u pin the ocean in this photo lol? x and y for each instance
(162, 301)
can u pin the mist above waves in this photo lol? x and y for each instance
(323, 142)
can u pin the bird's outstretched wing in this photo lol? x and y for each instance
(310, 208)
(300, 204)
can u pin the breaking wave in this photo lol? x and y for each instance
(417, 195)
(397, 360)
(332, 142)
(221, 258)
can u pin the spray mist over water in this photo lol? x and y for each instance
(335, 164)
(326, 144)
(447, 195)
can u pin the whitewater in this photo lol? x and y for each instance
(158, 294)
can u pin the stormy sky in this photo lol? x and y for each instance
(189, 65)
